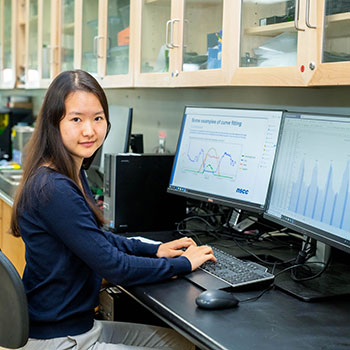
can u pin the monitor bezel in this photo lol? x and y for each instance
(128, 130)
(217, 199)
(295, 225)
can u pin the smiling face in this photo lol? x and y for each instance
(83, 128)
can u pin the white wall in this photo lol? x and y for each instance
(161, 109)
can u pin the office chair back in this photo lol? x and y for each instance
(14, 319)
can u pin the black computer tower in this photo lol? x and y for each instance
(135, 193)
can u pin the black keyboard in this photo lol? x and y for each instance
(229, 271)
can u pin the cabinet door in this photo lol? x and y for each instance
(278, 43)
(32, 79)
(48, 53)
(8, 10)
(334, 39)
(41, 62)
(117, 40)
(183, 43)
(66, 34)
(13, 247)
(206, 43)
(90, 40)
(157, 42)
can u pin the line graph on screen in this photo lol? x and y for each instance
(211, 158)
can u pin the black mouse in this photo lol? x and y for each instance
(215, 299)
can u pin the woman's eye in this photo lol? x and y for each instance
(99, 118)
(76, 119)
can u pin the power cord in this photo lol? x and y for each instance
(272, 285)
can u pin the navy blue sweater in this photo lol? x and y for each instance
(67, 254)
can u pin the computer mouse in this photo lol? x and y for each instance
(216, 299)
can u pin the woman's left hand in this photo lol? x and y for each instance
(173, 248)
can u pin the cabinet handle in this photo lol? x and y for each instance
(172, 32)
(167, 44)
(307, 15)
(96, 46)
(296, 16)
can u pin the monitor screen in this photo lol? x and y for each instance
(310, 183)
(118, 139)
(225, 156)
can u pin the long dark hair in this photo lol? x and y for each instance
(46, 145)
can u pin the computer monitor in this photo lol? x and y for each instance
(310, 190)
(118, 140)
(310, 194)
(225, 156)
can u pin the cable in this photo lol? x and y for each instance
(297, 265)
(276, 275)
(258, 296)
(262, 260)
(319, 273)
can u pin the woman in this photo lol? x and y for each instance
(67, 252)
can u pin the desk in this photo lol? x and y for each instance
(275, 321)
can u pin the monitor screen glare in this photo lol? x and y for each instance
(226, 155)
(310, 185)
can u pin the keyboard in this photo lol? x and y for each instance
(229, 271)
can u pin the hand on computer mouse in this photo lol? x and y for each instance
(216, 299)
(198, 255)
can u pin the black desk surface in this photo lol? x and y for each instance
(275, 321)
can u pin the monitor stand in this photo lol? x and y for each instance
(334, 281)
(237, 223)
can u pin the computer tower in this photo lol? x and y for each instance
(135, 193)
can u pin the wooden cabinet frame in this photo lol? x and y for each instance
(8, 81)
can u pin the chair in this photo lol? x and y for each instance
(14, 319)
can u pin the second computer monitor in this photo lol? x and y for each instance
(310, 190)
(225, 155)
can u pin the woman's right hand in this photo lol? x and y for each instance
(198, 255)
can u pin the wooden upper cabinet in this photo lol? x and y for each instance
(66, 34)
(41, 43)
(182, 42)
(334, 44)
(174, 43)
(277, 42)
(8, 15)
(118, 33)
(32, 78)
(48, 41)
(105, 34)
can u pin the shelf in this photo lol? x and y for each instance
(33, 19)
(338, 25)
(68, 28)
(271, 29)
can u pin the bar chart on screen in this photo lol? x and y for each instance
(328, 202)
(313, 176)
